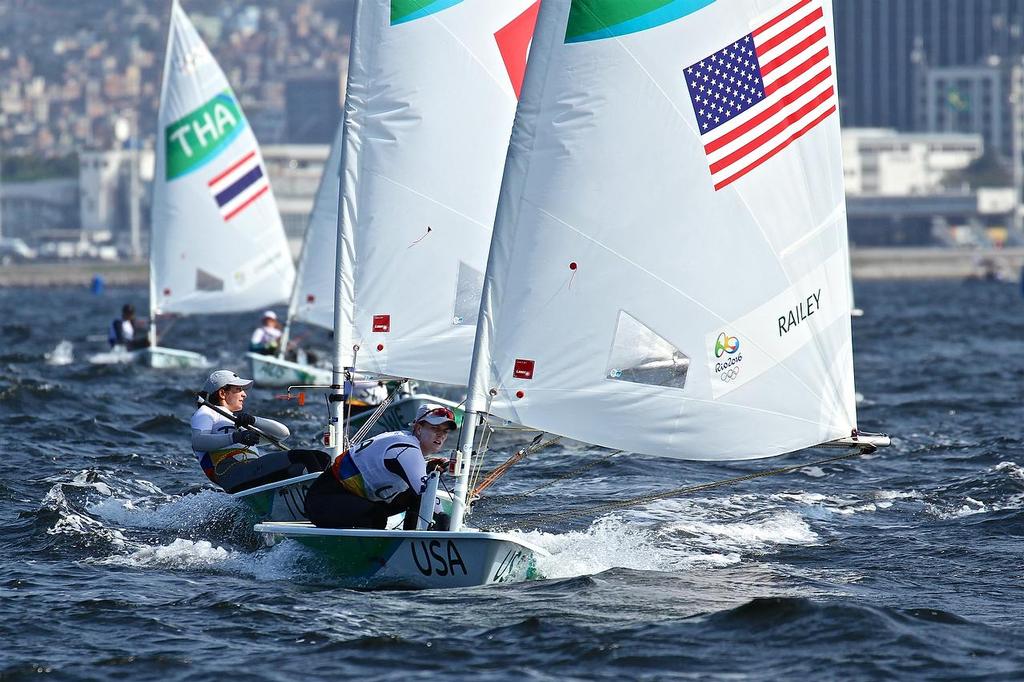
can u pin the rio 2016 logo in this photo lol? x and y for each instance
(726, 344)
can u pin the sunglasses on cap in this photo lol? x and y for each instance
(439, 412)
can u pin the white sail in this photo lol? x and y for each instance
(313, 296)
(217, 242)
(669, 272)
(430, 101)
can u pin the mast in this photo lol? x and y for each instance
(478, 392)
(158, 168)
(343, 281)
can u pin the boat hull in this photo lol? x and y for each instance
(272, 371)
(280, 501)
(159, 357)
(118, 355)
(395, 559)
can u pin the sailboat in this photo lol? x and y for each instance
(664, 277)
(430, 101)
(217, 243)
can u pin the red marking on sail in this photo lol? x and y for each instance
(381, 323)
(513, 41)
(523, 369)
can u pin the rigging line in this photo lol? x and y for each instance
(686, 490)
(507, 500)
(516, 457)
(375, 415)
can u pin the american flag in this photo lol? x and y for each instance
(754, 97)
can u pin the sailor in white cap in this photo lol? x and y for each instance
(383, 475)
(225, 445)
(266, 339)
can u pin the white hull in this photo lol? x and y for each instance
(397, 559)
(117, 355)
(272, 371)
(280, 501)
(172, 358)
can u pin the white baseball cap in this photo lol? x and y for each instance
(222, 378)
(435, 415)
(269, 313)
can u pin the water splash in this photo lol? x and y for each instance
(62, 354)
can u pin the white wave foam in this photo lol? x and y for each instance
(182, 554)
(781, 528)
(608, 543)
(62, 354)
(277, 563)
(671, 535)
(70, 522)
(1012, 469)
(185, 512)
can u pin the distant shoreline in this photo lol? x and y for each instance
(868, 264)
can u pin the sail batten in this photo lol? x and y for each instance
(664, 280)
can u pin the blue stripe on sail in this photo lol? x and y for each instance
(436, 6)
(239, 185)
(663, 15)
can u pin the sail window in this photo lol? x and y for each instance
(468, 289)
(640, 356)
(207, 282)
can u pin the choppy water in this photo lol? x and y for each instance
(117, 561)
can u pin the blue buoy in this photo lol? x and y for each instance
(97, 285)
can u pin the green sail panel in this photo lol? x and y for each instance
(600, 19)
(403, 11)
(200, 135)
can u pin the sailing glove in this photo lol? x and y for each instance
(244, 419)
(245, 437)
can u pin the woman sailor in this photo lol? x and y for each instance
(382, 476)
(225, 447)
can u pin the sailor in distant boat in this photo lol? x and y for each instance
(225, 447)
(383, 476)
(122, 331)
(266, 339)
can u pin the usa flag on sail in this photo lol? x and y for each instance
(757, 95)
(239, 185)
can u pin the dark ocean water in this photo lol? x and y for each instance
(117, 561)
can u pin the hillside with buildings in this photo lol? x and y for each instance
(931, 105)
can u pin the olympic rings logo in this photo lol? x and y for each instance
(729, 374)
(726, 344)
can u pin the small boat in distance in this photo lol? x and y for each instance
(217, 243)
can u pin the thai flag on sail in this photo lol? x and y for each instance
(239, 185)
(754, 97)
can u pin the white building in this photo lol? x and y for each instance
(295, 171)
(883, 162)
(104, 180)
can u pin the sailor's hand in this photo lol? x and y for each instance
(244, 419)
(245, 437)
(437, 463)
